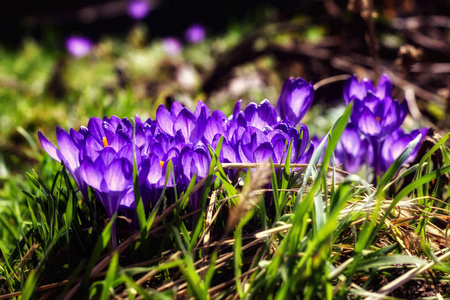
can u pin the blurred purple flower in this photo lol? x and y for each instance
(195, 34)
(138, 9)
(172, 45)
(295, 99)
(78, 46)
(396, 143)
(352, 149)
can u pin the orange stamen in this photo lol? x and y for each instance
(105, 142)
(378, 119)
(161, 163)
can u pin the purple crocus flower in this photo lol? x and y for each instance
(396, 143)
(256, 146)
(112, 179)
(295, 99)
(352, 149)
(261, 115)
(375, 113)
(138, 9)
(78, 46)
(285, 134)
(195, 34)
(154, 170)
(172, 45)
(195, 160)
(68, 153)
(257, 115)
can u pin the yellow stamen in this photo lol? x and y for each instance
(105, 142)
(378, 119)
(161, 163)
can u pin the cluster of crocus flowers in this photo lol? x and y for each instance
(102, 155)
(373, 136)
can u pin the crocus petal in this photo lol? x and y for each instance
(114, 121)
(236, 110)
(351, 139)
(69, 153)
(227, 153)
(371, 101)
(185, 122)
(165, 120)
(199, 129)
(384, 88)
(295, 99)
(155, 171)
(128, 200)
(390, 121)
(304, 135)
(175, 108)
(78, 138)
(219, 116)
(118, 175)
(92, 143)
(212, 128)
(108, 155)
(368, 124)
(263, 153)
(279, 150)
(403, 111)
(91, 174)
(95, 127)
(305, 157)
(251, 139)
(195, 33)
(49, 147)
(265, 115)
(353, 89)
(201, 108)
(250, 110)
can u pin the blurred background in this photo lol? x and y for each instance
(62, 62)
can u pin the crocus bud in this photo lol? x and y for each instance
(295, 99)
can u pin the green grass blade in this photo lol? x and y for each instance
(110, 275)
(101, 244)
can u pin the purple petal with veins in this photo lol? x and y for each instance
(165, 120)
(368, 123)
(49, 147)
